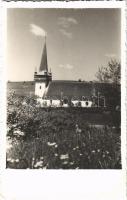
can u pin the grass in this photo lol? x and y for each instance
(63, 138)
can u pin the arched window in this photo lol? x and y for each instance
(87, 103)
(65, 100)
(40, 87)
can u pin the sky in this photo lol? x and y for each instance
(78, 41)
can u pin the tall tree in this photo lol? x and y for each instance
(111, 73)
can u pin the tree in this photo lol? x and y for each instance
(111, 73)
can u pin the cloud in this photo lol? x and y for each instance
(66, 33)
(110, 55)
(38, 31)
(67, 66)
(66, 22)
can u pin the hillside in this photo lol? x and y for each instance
(21, 88)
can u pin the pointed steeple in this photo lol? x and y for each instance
(42, 78)
(44, 62)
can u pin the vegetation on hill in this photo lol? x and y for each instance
(111, 73)
(59, 138)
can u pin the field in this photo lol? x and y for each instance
(62, 138)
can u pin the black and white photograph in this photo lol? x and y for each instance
(63, 88)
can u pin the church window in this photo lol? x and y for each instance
(87, 103)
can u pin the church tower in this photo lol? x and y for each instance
(43, 77)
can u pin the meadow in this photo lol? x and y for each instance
(61, 138)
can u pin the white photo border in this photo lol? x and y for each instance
(111, 183)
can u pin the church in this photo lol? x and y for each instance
(57, 93)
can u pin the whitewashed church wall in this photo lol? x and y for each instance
(39, 89)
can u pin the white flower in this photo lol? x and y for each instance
(14, 125)
(93, 151)
(18, 132)
(17, 160)
(24, 103)
(11, 160)
(38, 164)
(65, 162)
(8, 129)
(8, 145)
(65, 156)
(51, 144)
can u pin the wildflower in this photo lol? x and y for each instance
(14, 125)
(38, 164)
(65, 162)
(9, 145)
(51, 144)
(17, 160)
(71, 163)
(18, 132)
(8, 159)
(8, 129)
(78, 130)
(62, 157)
(56, 154)
(98, 150)
(11, 160)
(45, 167)
(93, 151)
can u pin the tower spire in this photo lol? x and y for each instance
(44, 62)
(43, 77)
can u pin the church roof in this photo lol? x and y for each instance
(76, 89)
(69, 89)
(44, 62)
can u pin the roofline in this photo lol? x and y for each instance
(76, 81)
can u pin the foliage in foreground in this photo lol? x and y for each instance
(57, 139)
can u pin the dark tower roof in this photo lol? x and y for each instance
(44, 62)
